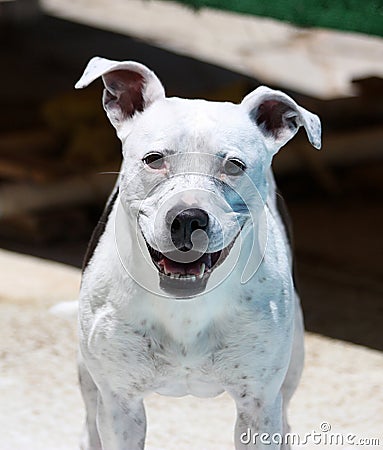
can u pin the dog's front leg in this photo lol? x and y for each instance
(91, 438)
(259, 423)
(121, 421)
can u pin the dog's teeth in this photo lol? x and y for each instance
(176, 275)
(201, 270)
(193, 277)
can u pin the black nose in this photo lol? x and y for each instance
(183, 225)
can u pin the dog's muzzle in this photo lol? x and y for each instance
(184, 272)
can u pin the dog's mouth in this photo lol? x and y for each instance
(193, 270)
(189, 278)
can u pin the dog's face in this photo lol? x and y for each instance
(183, 172)
(193, 171)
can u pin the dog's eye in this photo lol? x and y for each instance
(155, 160)
(234, 167)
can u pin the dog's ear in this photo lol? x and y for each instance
(278, 117)
(130, 87)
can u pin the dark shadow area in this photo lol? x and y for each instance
(339, 249)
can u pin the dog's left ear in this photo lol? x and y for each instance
(130, 87)
(278, 117)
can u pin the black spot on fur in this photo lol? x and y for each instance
(138, 421)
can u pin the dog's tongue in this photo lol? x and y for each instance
(192, 268)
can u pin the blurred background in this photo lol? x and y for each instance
(58, 152)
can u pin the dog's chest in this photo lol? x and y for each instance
(175, 349)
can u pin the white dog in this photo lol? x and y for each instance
(187, 286)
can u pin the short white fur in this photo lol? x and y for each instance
(243, 338)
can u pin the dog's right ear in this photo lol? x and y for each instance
(130, 87)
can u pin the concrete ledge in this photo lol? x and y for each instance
(41, 405)
(316, 62)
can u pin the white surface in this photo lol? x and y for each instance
(41, 408)
(316, 62)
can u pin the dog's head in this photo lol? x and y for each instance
(193, 171)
